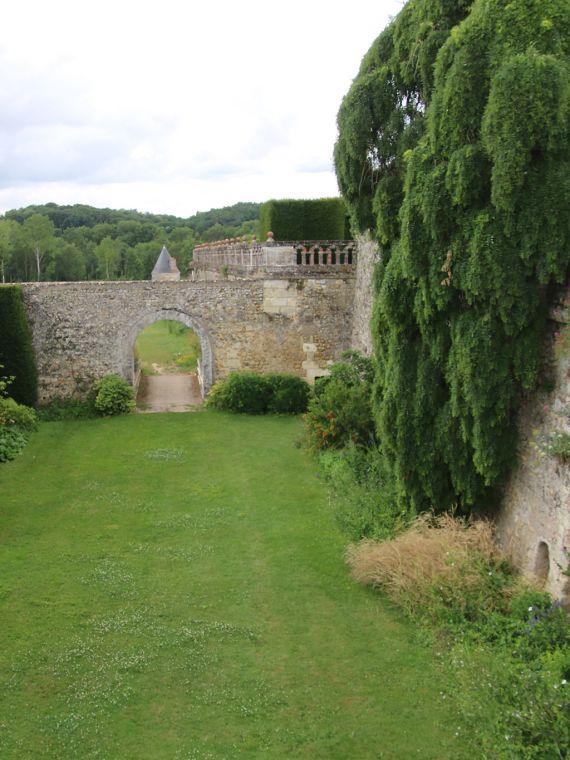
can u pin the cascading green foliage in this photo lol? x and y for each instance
(16, 350)
(322, 219)
(464, 176)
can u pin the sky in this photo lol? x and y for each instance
(176, 107)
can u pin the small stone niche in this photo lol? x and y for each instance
(542, 562)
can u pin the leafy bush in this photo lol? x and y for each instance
(113, 395)
(242, 392)
(340, 411)
(12, 413)
(289, 394)
(12, 442)
(251, 393)
(512, 710)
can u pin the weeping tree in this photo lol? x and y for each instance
(454, 150)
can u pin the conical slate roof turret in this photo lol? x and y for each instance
(165, 267)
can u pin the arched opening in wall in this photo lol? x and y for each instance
(167, 356)
(542, 562)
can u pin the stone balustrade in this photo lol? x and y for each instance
(243, 254)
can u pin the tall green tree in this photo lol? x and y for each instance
(108, 256)
(38, 233)
(67, 263)
(454, 149)
(8, 232)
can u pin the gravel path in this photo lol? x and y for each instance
(169, 393)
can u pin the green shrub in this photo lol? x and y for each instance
(512, 710)
(362, 504)
(113, 395)
(340, 412)
(16, 350)
(252, 393)
(289, 394)
(242, 392)
(12, 413)
(12, 442)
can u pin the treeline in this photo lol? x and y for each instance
(78, 242)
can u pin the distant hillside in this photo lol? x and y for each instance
(52, 242)
(79, 215)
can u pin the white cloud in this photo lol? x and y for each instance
(175, 108)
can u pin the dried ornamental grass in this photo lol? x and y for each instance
(436, 552)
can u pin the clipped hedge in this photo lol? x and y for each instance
(16, 350)
(252, 393)
(323, 219)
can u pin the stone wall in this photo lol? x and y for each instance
(85, 330)
(363, 296)
(534, 523)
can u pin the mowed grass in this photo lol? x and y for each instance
(170, 345)
(173, 586)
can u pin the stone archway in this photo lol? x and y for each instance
(151, 316)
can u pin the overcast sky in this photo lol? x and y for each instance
(175, 107)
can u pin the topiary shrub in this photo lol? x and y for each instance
(113, 396)
(289, 394)
(321, 219)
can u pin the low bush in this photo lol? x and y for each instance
(17, 421)
(252, 393)
(14, 414)
(113, 395)
(242, 392)
(12, 442)
(289, 394)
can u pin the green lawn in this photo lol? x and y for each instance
(173, 586)
(168, 344)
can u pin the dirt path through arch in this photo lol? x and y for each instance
(169, 393)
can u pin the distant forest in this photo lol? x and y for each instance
(78, 242)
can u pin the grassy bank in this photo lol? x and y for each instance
(168, 344)
(173, 586)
